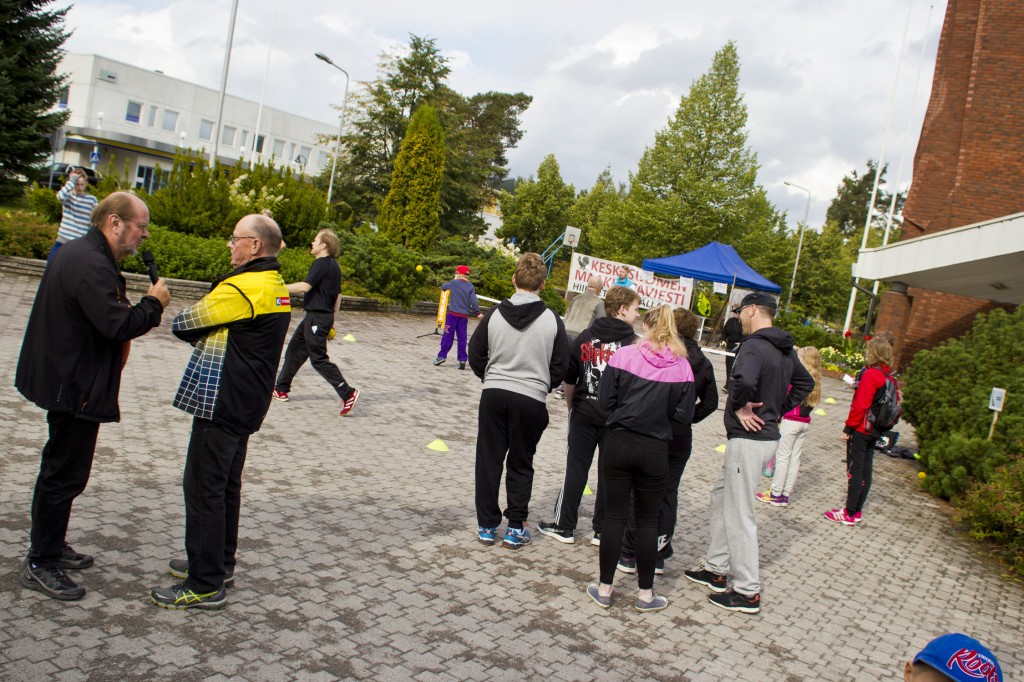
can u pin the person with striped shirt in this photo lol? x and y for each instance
(77, 205)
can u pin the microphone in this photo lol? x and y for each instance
(147, 258)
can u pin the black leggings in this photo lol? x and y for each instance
(860, 456)
(635, 463)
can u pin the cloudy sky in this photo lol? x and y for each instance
(817, 75)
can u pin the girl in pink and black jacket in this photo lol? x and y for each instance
(646, 388)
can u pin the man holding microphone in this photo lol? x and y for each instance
(75, 345)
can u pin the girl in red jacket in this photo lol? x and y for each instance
(859, 433)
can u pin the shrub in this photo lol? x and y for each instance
(182, 256)
(26, 235)
(372, 265)
(995, 512)
(947, 392)
(43, 202)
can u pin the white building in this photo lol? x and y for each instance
(140, 117)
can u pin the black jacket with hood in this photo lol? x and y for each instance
(79, 330)
(765, 368)
(588, 358)
(704, 384)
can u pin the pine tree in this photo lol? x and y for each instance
(849, 208)
(30, 50)
(410, 214)
(698, 181)
(539, 210)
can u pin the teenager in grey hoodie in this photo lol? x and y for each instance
(520, 352)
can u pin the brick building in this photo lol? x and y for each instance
(962, 246)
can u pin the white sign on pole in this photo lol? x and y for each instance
(720, 287)
(995, 401)
(572, 237)
(653, 290)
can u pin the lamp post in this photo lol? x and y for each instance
(341, 126)
(800, 242)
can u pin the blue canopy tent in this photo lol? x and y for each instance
(712, 263)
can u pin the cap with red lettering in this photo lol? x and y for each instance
(961, 658)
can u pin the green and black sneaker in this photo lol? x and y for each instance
(178, 597)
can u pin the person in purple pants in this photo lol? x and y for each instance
(462, 303)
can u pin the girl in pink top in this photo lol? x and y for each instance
(792, 430)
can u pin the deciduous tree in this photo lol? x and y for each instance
(539, 210)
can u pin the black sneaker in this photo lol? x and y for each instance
(596, 540)
(627, 564)
(462, 365)
(177, 597)
(734, 601)
(70, 560)
(179, 569)
(51, 581)
(659, 566)
(561, 534)
(713, 581)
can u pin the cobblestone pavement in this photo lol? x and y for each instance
(358, 557)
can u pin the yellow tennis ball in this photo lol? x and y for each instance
(331, 334)
(419, 268)
(922, 475)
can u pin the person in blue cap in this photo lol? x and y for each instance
(954, 657)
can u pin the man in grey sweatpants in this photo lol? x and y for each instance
(765, 366)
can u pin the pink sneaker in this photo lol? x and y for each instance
(776, 500)
(840, 516)
(858, 517)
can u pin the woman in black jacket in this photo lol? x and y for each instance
(680, 447)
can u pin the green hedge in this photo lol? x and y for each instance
(25, 235)
(946, 399)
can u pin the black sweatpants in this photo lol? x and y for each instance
(213, 502)
(679, 449)
(860, 458)
(510, 424)
(309, 344)
(637, 464)
(584, 438)
(63, 473)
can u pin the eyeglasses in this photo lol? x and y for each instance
(234, 239)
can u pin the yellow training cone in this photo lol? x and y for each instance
(830, 401)
(820, 412)
(587, 490)
(438, 445)
(349, 337)
(720, 448)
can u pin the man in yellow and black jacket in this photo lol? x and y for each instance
(238, 330)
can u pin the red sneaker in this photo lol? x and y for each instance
(280, 395)
(840, 516)
(349, 403)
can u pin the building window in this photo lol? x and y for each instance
(146, 178)
(170, 120)
(305, 153)
(260, 139)
(322, 158)
(134, 112)
(243, 137)
(62, 97)
(227, 138)
(279, 150)
(205, 130)
(152, 116)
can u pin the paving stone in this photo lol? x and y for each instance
(358, 557)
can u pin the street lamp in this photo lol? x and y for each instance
(800, 242)
(341, 126)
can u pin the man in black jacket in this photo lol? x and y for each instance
(588, 357)
(766, 365)
(732, 334)
(75, 345)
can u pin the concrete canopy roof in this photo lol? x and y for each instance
(984, 260)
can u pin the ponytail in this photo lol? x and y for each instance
(661, 330)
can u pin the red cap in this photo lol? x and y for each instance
(462, 269)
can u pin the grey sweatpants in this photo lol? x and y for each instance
(733, 524)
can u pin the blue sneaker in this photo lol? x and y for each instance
(485, 535)
(516, 537)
